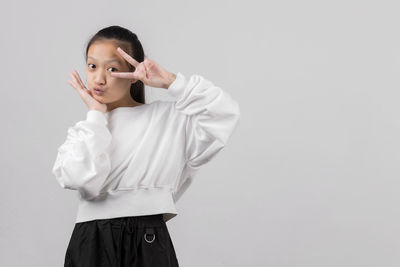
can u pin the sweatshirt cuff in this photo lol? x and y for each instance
(178, 86)
(96, 116)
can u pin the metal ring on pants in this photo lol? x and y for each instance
(149, 231)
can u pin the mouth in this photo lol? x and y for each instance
(98, 91)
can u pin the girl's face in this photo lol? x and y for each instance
(102, 59)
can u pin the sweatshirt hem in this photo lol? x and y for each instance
(122, 203)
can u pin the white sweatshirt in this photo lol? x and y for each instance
(139, 160)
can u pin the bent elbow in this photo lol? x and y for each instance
(89, 185)
(87, 191)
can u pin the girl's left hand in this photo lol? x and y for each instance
(148, 71)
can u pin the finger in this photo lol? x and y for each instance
(141, 73)
(82, 92)
(146, 71)
(148, 62)
(77, 86)
(79, 79)
(75, 80)
(128, 58)
(124, 75)
(90, 93)
(71, 83)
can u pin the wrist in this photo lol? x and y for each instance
(171, 78)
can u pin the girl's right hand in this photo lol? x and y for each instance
(86, 94)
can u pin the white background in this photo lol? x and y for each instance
(311, 176)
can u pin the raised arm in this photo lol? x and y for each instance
(212, 114)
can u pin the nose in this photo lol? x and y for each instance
(99, 77)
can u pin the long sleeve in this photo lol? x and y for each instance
(212, 114)
(83, 161)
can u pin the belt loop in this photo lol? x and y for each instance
(130, 225)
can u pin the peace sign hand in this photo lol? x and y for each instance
(86, 94)
(148, 71)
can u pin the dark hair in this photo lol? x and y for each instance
(130, 43)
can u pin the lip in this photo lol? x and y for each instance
(98, 91)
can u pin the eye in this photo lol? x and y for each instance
(89, 65)
(112, 68)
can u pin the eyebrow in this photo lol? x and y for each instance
(110, 60)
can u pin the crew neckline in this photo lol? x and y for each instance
(125, 108)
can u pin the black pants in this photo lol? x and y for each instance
(137, 241)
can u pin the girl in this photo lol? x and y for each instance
(130, 161)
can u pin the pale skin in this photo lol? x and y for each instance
(116, 84)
